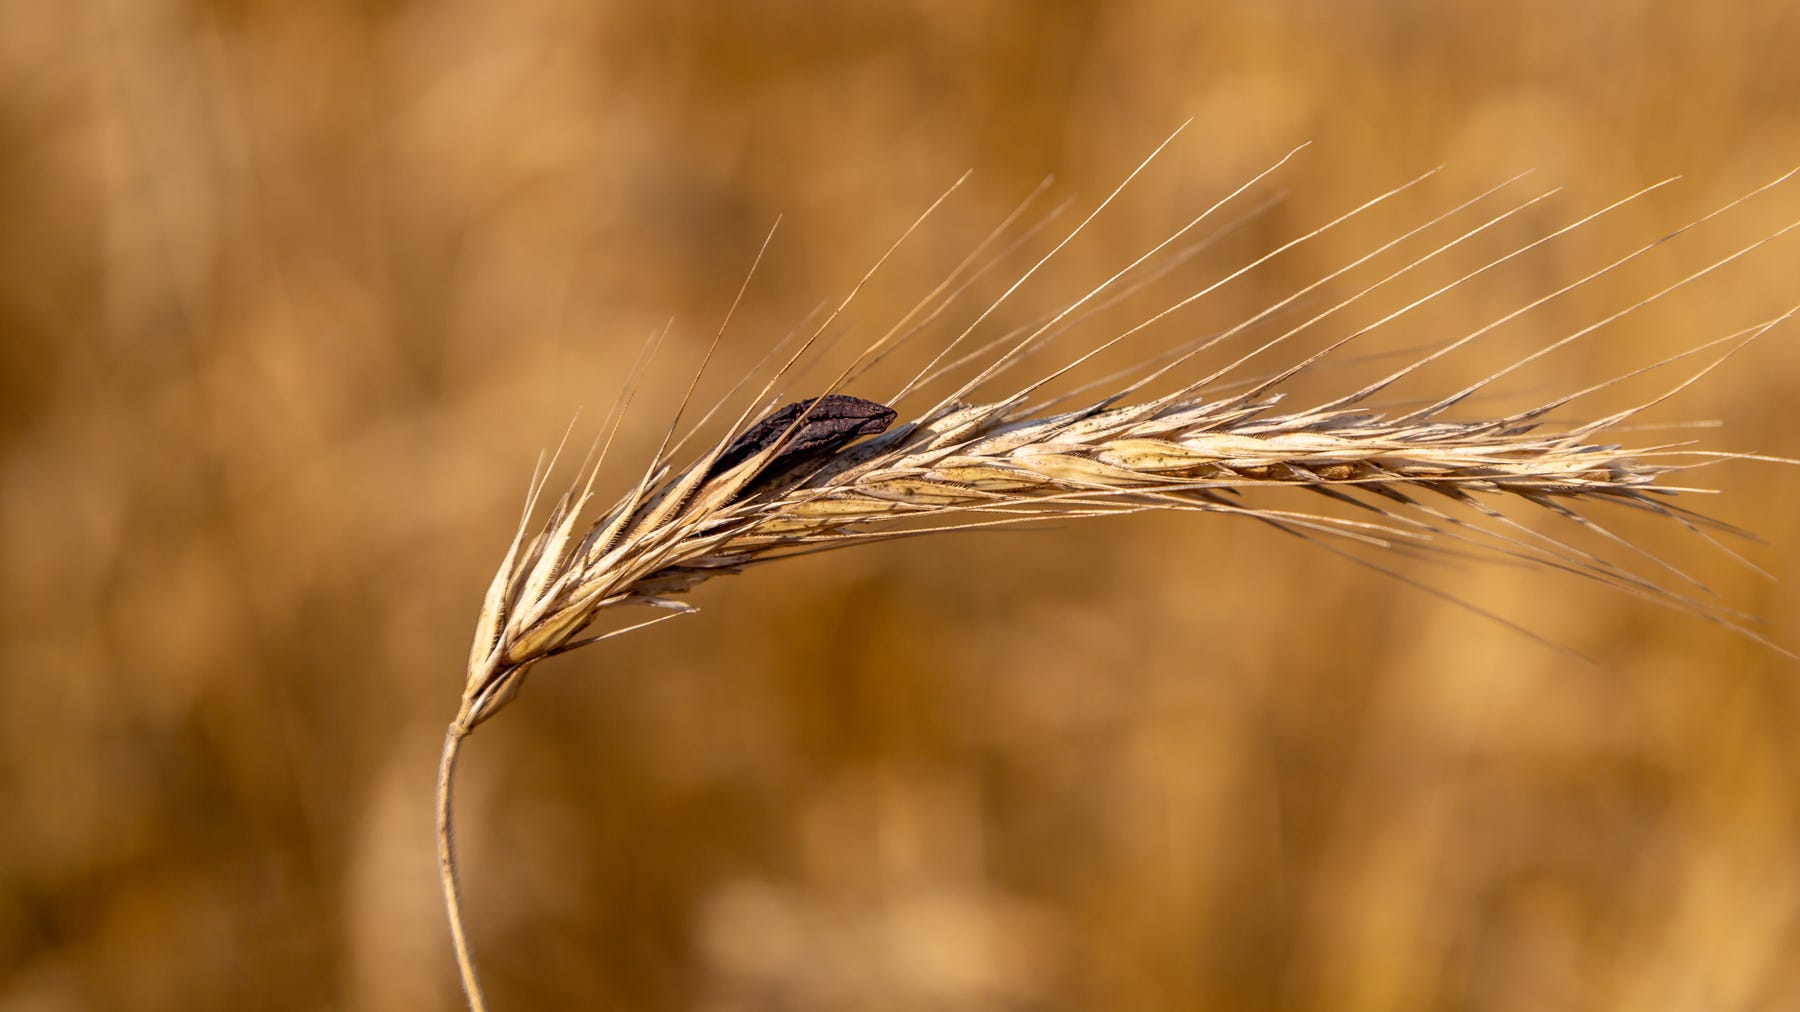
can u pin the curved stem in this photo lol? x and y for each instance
(465, 961)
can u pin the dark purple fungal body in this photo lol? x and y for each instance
(831, 423)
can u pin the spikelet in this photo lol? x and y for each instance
(798, 480)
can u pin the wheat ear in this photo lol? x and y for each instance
(831, 471)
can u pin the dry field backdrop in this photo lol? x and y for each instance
(291, 295)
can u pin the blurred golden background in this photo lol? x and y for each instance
(292, 294)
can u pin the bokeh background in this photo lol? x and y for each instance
(292, 295)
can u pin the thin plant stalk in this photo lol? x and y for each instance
(446, 844)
